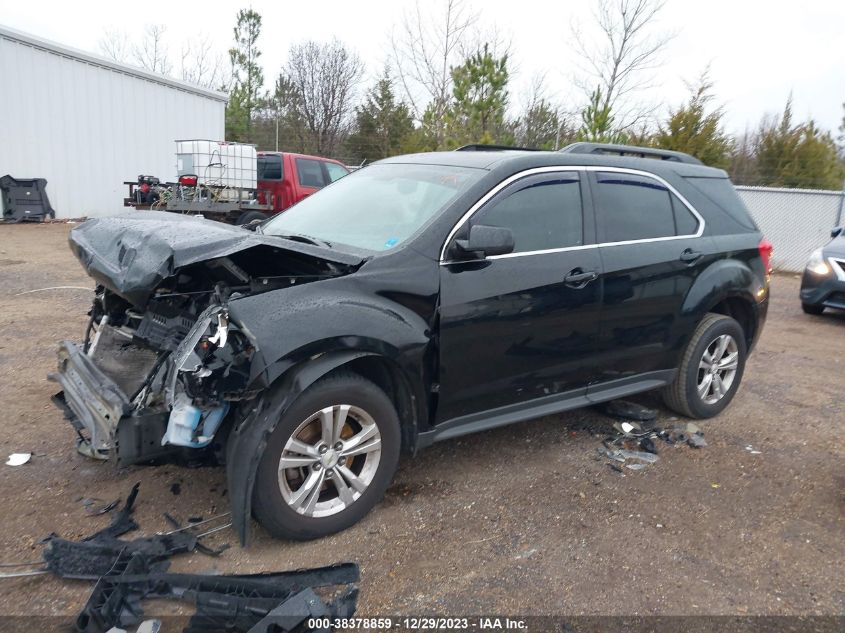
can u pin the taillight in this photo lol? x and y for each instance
(188, 181)
(765, 247)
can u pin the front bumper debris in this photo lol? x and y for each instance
(96, 402)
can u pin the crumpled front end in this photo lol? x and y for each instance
(137, 395)
(163, 367)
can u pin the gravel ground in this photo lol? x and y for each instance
(519, 520)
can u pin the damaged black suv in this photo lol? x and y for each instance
(421, 298)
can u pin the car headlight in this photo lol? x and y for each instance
(817, 265)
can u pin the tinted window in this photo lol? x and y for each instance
(310, 173)
(632, 208)
(269, 167)
(543, 212)
(721, 193)
(685, 222)
(336, 171)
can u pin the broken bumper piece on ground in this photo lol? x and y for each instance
(256, 603)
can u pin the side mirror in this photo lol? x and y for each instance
(836, 232)
(486, 240)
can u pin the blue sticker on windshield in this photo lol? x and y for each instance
(391, 242)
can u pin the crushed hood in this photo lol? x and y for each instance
(131, 254)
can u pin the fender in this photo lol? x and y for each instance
(249, 437)
(298, 340)
(723, 279)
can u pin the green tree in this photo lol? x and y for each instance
(800, 156)
(247, 77)
(382, 125)
(598, 123)
(479, 100)
(694, 130)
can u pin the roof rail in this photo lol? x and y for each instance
(480, 147)
(630, 150)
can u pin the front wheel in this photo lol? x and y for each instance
(711, 368)
(329, 460)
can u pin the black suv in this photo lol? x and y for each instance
(421, 298)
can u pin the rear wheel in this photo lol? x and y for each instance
(809, 308)
(711, 368)
(329, 461)
(251, 216)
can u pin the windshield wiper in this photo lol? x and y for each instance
(307, 239)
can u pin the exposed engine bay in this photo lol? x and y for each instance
(161, 368)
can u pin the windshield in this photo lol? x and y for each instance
(376, 208)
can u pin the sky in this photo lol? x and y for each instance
(758, 52)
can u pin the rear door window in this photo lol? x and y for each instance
(632, 207)
(543, 212)
(310, 173)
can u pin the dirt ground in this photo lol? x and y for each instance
(520, 520)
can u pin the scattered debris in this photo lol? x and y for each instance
(628, 410)
(257, 603)
(94, 507)
(176, 488)
(131, 571)
(95, 555)
(635, 437)
(753, 450)
(18, 459)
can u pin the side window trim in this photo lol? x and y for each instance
(588, 207)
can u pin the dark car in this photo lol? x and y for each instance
(823, 283)
(419, 299)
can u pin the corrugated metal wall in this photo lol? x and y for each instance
(86, 127)
(795, 221)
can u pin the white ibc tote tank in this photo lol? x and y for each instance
(218, 163)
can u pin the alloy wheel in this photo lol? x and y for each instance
(330, 460)
(717, 369)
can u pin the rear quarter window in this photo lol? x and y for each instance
(720, 194)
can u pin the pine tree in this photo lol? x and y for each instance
(382, 125)
(694, 130)
(598, 122)
(247, 77)
(799, 156)
(479, 100)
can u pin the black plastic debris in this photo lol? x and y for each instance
(256, 603)
(633, 443)
(24, 199)
(627, 410)
(95, 555)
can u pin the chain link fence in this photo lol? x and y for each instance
(796, 221)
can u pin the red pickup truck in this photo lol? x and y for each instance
(284, 179)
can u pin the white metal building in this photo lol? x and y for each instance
(88, 124)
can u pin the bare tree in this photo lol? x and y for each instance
(617, 62)
(321, 81)
(202, 65)
(151, 52)
(424, 50)
(115, 45)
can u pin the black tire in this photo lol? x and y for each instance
(809, 308)
(682, 395)
(250, 216)
(269, 506)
